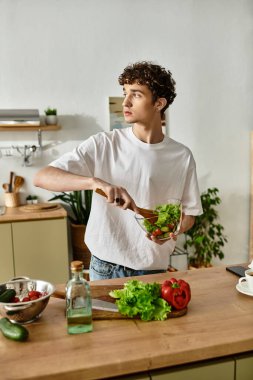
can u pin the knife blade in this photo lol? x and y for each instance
(96, 303)
(104, 305)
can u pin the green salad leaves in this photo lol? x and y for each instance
(168, 218)
(140, 299)
(168, 214)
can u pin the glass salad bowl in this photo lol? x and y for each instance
(165, 219)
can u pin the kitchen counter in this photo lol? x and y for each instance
(218, 324)
(14, 214)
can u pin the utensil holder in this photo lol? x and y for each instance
(11, 199)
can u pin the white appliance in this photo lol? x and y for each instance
(19, 117)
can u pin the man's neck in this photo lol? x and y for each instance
(148, 135)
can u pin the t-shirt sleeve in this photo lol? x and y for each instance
(191, 197)
(79, 161)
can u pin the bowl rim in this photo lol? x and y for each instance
(27, 279)
(139, 216)
(152, 206)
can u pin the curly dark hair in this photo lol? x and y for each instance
(155, 77)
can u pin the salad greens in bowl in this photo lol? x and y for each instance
(166, 220)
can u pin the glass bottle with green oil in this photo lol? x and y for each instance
(78, 301)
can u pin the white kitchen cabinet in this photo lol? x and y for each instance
(35, 248)
(220, 370)
(244, 368)
(6, 252)
(41, 249)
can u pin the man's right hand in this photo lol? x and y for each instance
(116, 195)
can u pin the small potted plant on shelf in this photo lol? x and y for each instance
(51, 116)
(206, 238)
(32, 199)
(29, 200)
(78, 207)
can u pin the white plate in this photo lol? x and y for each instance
(243, 288)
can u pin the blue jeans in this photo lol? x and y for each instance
(103, 270)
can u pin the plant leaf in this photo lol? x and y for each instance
(79, 203)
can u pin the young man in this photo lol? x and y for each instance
(132, 166)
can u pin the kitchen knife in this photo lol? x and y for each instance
(104, 305)
(96, 303)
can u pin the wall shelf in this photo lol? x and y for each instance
(21, 128)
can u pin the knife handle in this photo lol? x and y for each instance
(58, 294)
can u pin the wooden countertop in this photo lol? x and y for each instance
(15, 214)
(218, 323)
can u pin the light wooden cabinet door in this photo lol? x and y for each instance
(217, 371)
(6, 253)
(41, 249)
(244, 368)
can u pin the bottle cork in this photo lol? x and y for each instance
(76, 265)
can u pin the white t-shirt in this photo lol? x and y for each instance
(151, 173)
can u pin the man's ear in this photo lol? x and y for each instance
(160, 103)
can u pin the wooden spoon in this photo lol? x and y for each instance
(142, 211)
(18, 183)
(6, 187)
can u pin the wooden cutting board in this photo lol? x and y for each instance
(40, 207)
(102, 292)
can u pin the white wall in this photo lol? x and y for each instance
(68, 54)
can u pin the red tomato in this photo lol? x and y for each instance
(157, 232)
(33, 298)
(15, 299)
(34, 293)
(26, 299)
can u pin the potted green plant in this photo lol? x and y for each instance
(51, 116)
(206, 238)
(78, 207)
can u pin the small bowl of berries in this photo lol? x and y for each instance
(22, 300)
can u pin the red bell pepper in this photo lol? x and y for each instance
(176, 292)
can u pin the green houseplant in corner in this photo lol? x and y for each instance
(206, 238)
(79, 207)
